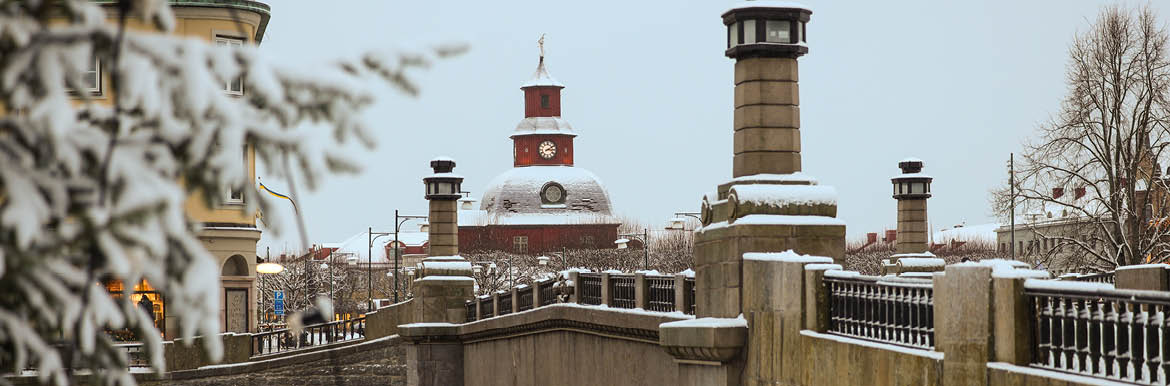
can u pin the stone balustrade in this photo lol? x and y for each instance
(661, 293)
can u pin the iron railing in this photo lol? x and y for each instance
(899, 312)
(487, 306)
(1114, 334)
(689, 292)
(660, 296)
(548, 294)
(471, 304)
(505, 303)
(623, 291)
(590, 286)
(278, 341)
(524, 299)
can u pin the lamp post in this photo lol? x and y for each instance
(645, 239)
(371, 236)
(679, 223)
(398, 221)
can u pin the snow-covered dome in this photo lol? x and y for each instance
(556, 190)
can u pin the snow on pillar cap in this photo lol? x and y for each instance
(769, 4)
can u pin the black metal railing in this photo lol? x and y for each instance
(505, 303)
(660, 296)
(471, 304)
(623, 291)
(1114, 334)
(278, 341)
(689, 292)
(524, 299)
(548, 294)
(898, 312)
(488, 308)
(590, 286)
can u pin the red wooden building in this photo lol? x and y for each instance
(544, 203)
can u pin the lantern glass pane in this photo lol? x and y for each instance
(732, 34)
(778, 31)
(749, 31)
(800, 33)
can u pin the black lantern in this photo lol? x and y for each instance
(911, 183)
(443, 185)
(761, 29)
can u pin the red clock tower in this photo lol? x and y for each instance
(544, 203)
(542, 138)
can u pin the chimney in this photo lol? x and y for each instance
(870, 238)
(1057, 193)
(911, 189)
(1078, 193)
(891, 235)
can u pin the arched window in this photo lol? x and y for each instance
(235, 266)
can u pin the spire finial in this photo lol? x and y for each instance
(540, 43)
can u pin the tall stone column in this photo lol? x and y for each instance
(445, 280)
(767, 116)
(911, 189)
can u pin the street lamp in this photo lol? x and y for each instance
(371, 236)
(268, 266)
(398, 221)
(680, 223)
(622, 243)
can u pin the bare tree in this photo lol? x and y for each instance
(1107, 140)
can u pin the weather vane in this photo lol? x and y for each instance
(540, 43)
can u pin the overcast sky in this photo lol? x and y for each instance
(959, 84)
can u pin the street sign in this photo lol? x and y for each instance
(278, 306)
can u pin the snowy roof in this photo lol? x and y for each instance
(517, 191)
(768, 4)
(544, 125)
(913, 159)
(781, 195)
(974, 233)
(912, 175)
(541, 78)
(795, 177)
(358, 246)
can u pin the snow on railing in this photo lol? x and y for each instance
(1100, 277)
(647, 290)
(1093, 329)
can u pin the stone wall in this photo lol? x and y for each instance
(385, 321)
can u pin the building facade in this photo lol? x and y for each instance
(229, 230)
(544, 203)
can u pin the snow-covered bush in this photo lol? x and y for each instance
(93, 191)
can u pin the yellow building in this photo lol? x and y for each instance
(229, 230)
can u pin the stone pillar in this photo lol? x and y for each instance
(963, 322)
(445, 280)
(641, 291)
(443, 236)
(1012, 330)
(1151, 277)
(767, 117)
(575, 279)
(606, 290)
(680, 294)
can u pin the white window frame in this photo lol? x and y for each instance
(231, 41)
(227, 197)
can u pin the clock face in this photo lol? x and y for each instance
(546, 149)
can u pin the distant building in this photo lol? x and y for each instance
(544, 203)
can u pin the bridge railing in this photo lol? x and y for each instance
(894, 310)
(1100, 331)
(1100, 277)
(660, 293)
(279, 341)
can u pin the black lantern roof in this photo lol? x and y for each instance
(442, 165)
(766, 29)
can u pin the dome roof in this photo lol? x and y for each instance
(566, 192)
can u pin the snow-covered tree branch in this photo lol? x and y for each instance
(94, 191)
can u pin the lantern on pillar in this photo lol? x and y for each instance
(911, 184)
(443, 185)
(760, 29)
